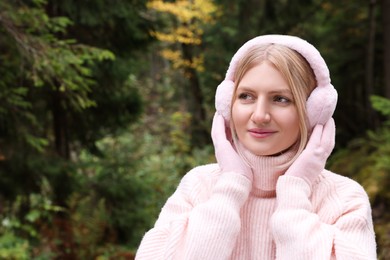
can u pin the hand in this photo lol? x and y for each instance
(227, 158)
(313, 159)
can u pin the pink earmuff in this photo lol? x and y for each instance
(321, 102)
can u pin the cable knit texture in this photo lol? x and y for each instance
(215, 215)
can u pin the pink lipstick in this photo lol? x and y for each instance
(261, 133)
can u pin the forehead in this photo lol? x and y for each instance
(264, 75)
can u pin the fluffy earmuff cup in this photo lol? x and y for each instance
(321, 104)
(223, 99)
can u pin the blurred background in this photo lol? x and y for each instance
(106, 104)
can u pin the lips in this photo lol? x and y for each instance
(261, 133)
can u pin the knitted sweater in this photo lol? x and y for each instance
(221, 215)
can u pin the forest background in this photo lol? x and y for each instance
(105, 105)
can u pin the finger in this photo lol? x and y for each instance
(218, 128)
(315, 137)
(214, 126)
(328, 136)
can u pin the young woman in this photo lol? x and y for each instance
(269, 196)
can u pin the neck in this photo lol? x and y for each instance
(267, 169)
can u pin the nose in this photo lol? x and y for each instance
(261, 113)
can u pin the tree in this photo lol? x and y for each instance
(61, 90)
(353, 64)
(386, 45)
(370, 58)
(57, 68)
(123, 29)
(183, 39)
(58, 96)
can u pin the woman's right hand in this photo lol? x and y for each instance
(227, 158)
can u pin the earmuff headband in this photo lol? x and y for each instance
(321, 102)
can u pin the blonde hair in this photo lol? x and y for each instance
(295, 70)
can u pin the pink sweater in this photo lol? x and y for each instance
(215, 215)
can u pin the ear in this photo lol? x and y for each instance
(223, 99)
(321, 104)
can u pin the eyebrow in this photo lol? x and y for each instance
(281, 91)
(276, 91)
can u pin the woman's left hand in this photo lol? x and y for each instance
(313, 158)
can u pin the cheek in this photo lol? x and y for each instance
(292, 123)
(239, 115)
(292, 119)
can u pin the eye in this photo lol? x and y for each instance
(245, 96)
(282, 99)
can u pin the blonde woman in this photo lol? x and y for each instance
(269, 195)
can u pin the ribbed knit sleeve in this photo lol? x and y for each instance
(332, 223)
(200, 220)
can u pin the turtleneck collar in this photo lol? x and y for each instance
(266, 169)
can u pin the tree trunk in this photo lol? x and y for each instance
(386, 45)
(369, 77)
(60, 120)
(200, 135)
(60, 125)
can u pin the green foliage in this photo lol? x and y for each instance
(120, 26)
(60, 64)
(55, 92)
(47, 71)
(350, 22)
(381, 104)
(89, 220)
(13, 247)
(77, 181)
(135, 174)
(180, 124)
(372, 170)
(132, 193)
(382, 229)
(373, 167)
(21, 226)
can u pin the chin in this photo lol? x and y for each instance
(263, 153)
(270, 152)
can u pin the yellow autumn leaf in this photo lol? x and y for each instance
(190, 17)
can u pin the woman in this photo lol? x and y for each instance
(269, 196)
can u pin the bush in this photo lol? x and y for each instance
(367, 160)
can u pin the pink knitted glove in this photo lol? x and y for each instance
(312, 160)
(227, 158)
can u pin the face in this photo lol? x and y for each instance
(263, 112)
